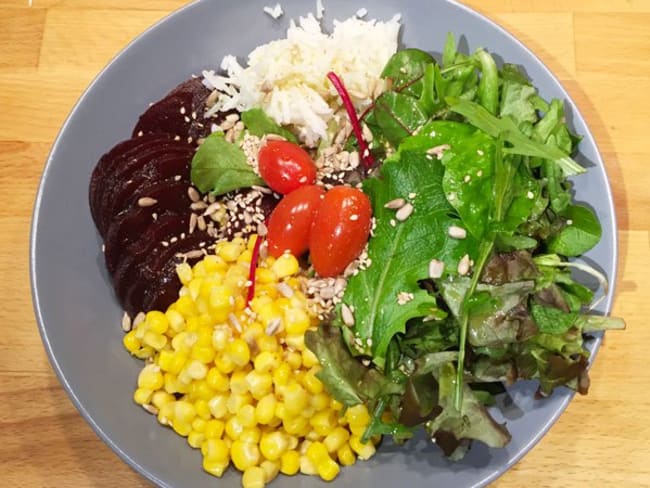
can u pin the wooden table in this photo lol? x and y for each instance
(600, 49)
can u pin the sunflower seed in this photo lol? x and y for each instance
(150, 408)
(285, 290)
(457, 232)
(193, 194)
(347, 315)
(463, 265)
(436, 268)
(261, 229)
(147, 202)
(404, 212)
(273, 326)
(395, 204)
(126, 322)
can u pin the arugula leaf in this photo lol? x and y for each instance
(260, 124)
(345, 378)
(401, 252)
(398, 116)
(582, 232)
(488, 87)
(552, 320)
(521, 144)
(220, 167)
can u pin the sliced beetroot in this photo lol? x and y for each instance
(131, 223)
(122, 175)
(158, 267)
(124, 149)
(173, 165)
(122, 259)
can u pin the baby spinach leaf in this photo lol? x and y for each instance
(398, 116)
(219, 167)
(260, 124)
(582, 232)
(406, 69)
(401, 252)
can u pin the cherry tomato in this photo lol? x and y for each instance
(340, 230)
(285, 166)
(290, 222)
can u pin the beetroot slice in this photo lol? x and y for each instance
(174, 165)
(131, 223)
(123, 259)
(107, 161)
(151, 271)
(122, 175)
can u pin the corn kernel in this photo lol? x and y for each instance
(273, 444)
(184, 273)
(281, 375)
(214, 429)
(214, 264)
(324, 422)
(296, 320)
(336, 439)
(154, 340)
(345, 455)
(216, 449)
(246, 415)
(285, 265)
(156, 321)
(309, 359)
(215, 468)
(184, 341)
(238, 352)
(196, 370)
(358, 415)
(195, 439)
(297, 342)
(204, 354)
(266, 343)
(234, 428)
(259, 384)
(244, 454)
(218, 406)
(293, 359)
(295, 399)
(266, 361)
(307, 467)
(199, 390)
(238, 384)
(251, 434)
(199, 270)
(171, 361)
(181, 428)
(131, 342)
(237, 401)
(142, 396)
(175, 319)
(290, 463)
(253, 477)
(364, 451)
(202, 409)
(172, 385)
(265, 409)
(224, 364)
(328, 469)
(221, 337)
(229, 251)
(265, 276)
(150, 377)
(297, 425)
(217, 380)
(271, 469)
(160, 398)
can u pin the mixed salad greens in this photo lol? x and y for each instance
(473, 147)
(473, 290)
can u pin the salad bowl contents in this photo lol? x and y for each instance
(346, 243)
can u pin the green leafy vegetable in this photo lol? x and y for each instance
(219, 167)
(551, 320)
(581, 233)
(398, 116)
(401, 252)
(406, 69)
(260, 124)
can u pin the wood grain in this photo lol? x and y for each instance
(598, 48)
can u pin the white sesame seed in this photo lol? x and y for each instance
(457, 232)
(404, 297)
(354, 217)
(393, 223)
(480, 152)
(186, 119)
(412, 195)
(467, 178)
(182, 110)
(404, 213)
(530, 195)
(569, 222)
(436, 268)
(395, 203)
(177, 178)
(479, 173)
(463, 265)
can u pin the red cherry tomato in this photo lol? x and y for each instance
(285, 166)
(340, 230)
(290, 222)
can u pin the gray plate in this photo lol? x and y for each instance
(79, 317)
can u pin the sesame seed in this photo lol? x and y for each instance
(186, 119)
(479, 173)
(173, 240)
(182, 110)
(569, 222)
(403, 297)
(530, 195)
(393, 223)
(467, 178)
(436, 268)
(177, 178)
(404, 213)
(140, 133)
(457, 232)
(147, 202)
(480, 152)
(165, 244)
(354, 217)
(412, 195)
